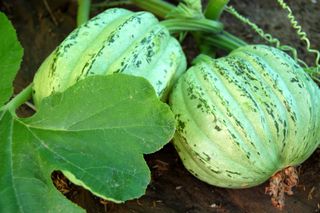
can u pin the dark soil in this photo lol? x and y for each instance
(41, 28)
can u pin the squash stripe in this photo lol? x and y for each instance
(290, 105)
(104, 46)
(61, 57)
(268, 78)
(214, 99)
(257, 89)
(304, 81)
(294, 154)
(202, 163)
(247, 91)
(65, 76)
(168, 67)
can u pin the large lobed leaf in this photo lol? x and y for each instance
(96, 133)
(10, 58)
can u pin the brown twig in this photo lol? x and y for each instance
(50, 12)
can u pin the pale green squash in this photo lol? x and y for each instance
(243, 117)
(115, 41)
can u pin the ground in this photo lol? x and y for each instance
(41, 25)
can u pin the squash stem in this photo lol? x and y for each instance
(203, 25)
(158, 7)
(225, 41)
(213, 11)
(83, 11)
(108, 4)
(215, 8)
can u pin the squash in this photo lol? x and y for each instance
(115, 41)
(243, 117)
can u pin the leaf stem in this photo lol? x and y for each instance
(215, 8)
(108, 4)
(158, 7)
(20, 98)
(183, 24)
(213, 11)
(225, 41)
(83, 11)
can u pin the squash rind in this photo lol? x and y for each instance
(243, 117)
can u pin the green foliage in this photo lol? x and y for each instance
(10, 58)
(96, 133)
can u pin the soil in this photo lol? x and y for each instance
(42, 25)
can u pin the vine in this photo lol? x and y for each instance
(313, 71)
(302, 34)
(266, 36)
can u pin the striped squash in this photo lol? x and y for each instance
(115, 41)
(243, 117)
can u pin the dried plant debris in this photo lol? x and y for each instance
(282, 183)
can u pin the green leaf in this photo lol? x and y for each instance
(25, 184)
(10, 58)
(96, 133)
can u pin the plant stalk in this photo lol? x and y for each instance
(158, 7)
(83, 11)
(20, 99)
(109, 4)
(215, 8)
(183, 24)
(225, 41)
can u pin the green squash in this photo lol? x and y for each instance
(243, 117)
(115, 41)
